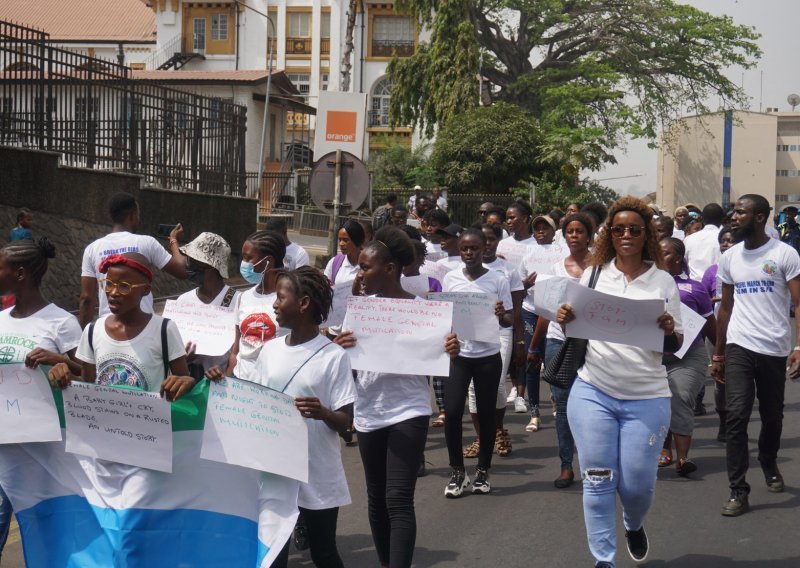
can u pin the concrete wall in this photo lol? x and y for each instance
(70, 208)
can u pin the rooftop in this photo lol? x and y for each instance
(90, 21)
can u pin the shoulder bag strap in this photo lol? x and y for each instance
(303, 365)
(165, 346)
(228, 298)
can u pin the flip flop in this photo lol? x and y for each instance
(664, 459)
(439, 421)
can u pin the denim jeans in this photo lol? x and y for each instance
(749, 375)
(6, 513)
(618, 444)
(532, 374)
(566, 444)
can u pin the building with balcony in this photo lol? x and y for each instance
(750, 152)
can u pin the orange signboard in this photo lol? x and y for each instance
(341, 126)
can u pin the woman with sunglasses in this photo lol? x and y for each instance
(391, 412)
(619, 406)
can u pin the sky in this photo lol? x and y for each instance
(776, 21)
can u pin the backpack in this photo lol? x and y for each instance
(164, 346)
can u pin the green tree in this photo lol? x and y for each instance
(401, 166)
(591, 71)
(487, 149)
(553, 191)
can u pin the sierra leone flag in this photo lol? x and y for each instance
(75, 511)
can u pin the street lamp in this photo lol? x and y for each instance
(265, 125)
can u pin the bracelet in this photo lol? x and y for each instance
(718, 358)
(534, 352)
(796, 348)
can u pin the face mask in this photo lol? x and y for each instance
(196, 277)
(248, 271)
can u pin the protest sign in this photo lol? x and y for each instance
(27, 408)
(693, 324)
(541, 259)
(435, 255)
(399, 336)
(473, 315)
(341, 292)
(514, 251)
(549, 295)
(210, 328)
(605, 317)
(417, 285)
(253, 426)
(119, 424)
(436, 270)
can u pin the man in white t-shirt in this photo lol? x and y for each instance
(438, 199)
(124, 211)
(296, 256)
(702, 247)
(759, 277)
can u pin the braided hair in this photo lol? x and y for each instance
(31, 255)
(392, 245)
(312, 283)
(269, 243)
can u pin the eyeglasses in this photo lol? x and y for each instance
(620, 230)
(123, 287)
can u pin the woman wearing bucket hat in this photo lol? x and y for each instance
(207, 259)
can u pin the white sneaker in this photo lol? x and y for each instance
(520, 405)
(512, 395)
(459, 481)
(533, 425)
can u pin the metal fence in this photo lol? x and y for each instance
(462, 208)
(96, 115)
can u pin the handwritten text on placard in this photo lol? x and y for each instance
(27, 409)
(473, 315)
(119, 424)
(211, 328)
(256, 427)
(399, 336)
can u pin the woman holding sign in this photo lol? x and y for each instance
(317, 373)
(619, 407)
(34, 331)
(479, 362)
(391, 413)
(686, 375)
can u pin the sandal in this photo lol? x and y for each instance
(472, 450)
(439, 421)
(502, 443)
(665, 458)
(685, 467)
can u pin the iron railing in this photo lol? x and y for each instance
(392, 47)
(96, 115)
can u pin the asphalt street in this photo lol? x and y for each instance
(526, 522)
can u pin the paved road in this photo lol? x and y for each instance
(525, 522)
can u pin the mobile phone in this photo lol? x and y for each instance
(165, 230)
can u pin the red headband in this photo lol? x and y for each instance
(115, 259)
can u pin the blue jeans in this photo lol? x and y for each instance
(566, 445)
(6, 513)
(532, 374)
(619, 442)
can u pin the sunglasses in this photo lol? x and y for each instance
(123, 287)
(620, 230)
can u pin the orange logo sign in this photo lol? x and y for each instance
(340, 126)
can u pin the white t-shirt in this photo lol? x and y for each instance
(540, 260)
(136, 362)
(441, 203)
(434, 249)
(493, 282)
(451, 262)
(384, 399)
(296, 256)
(772, 232)
(510, 272)
(702, 250)
(190, 297)
(120, 243)
(760, 318)
(554, 330)
(327, 376)
(678, 234)
(257, 325)
(347, 273)
(623, 371)
(515, 251)
(51, 328)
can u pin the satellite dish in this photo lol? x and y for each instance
(793, 100)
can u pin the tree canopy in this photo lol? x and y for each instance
(592, 72)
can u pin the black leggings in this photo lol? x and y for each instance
(485, 374)
(321, 526)
(391, 458)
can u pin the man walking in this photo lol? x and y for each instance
(702, 247)
(759, 275)
(789, 230)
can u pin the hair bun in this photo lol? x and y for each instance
(47, 248)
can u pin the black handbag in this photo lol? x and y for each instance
(562, 369)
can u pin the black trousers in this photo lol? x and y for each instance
(485, 373)
(321, 527)
(749, 374)
(391, 458)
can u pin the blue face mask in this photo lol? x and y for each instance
(248, 271)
